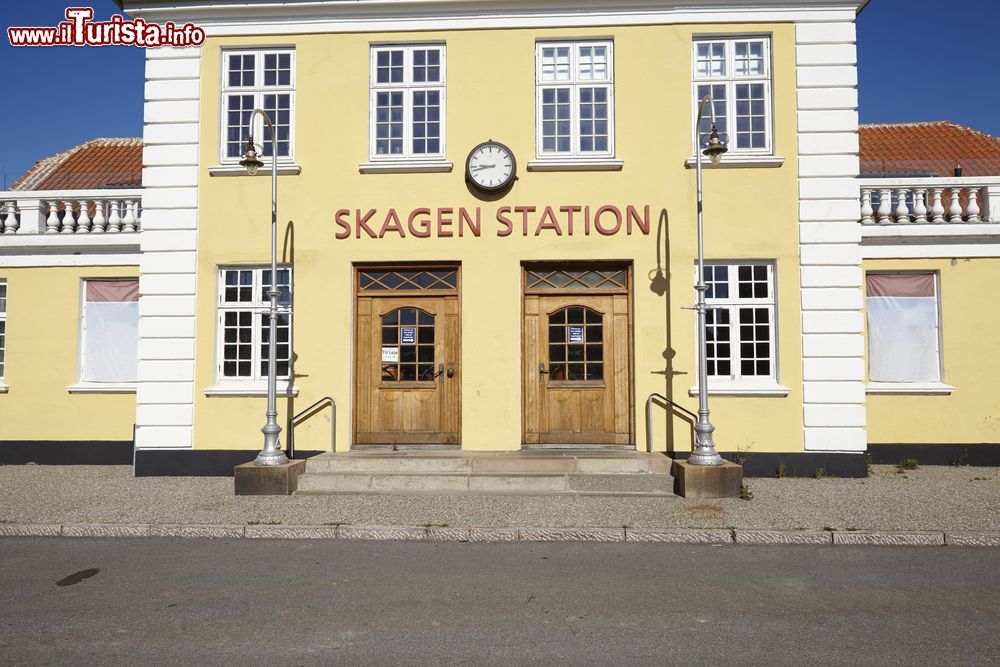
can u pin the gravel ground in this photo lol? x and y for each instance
(930, 498)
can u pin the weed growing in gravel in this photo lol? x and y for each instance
(781, 471)
(907, 464)
(871, 467)
(961, 458)
(820, 473)
(745, 492)
(981, 479)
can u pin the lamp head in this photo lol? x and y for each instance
(250, 161)
(716, 146)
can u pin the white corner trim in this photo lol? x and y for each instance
(730, 160)
(737, 388)
(102, 388)
(253, 388)
(571, 164)
(284, 169)
(919, 388)
(406, 167)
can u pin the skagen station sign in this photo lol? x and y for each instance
(422, 223)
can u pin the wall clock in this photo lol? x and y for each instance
(491, 167)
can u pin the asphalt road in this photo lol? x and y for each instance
(195, 602)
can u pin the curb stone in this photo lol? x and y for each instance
(966, 539)
(885, 538)
(537, 534)
(679, 535)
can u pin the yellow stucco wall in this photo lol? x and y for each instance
(750, 214)
(971, 360)
(43, 353)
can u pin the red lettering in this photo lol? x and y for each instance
(444, 222)
(362, 223)
(524, 211)
(548, 214)
(423, 226)
(605, 231)
(392, 224)
(344, 225)
(586, 221)
(505, 221)
(632, 215)
(465, 219)
(569, 211)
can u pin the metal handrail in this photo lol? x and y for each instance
(292, 422)
(649, 416)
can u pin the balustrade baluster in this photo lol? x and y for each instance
(866, 207)
(83, 221)
(10, 225)
(129, 221)
(100, 222)
(885, 206)
(955, 208)
(114, 219)
(919, 205)
(937, 208)
(902, 209)
(973, 207)
(68, 223)
(52, 222)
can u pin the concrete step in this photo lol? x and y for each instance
(644, 483)
(500, 463)
(443, 483)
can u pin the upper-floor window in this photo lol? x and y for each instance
(736, 74)
(257, 79)
(575, 99)
(407, 101)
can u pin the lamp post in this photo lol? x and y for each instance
(704, 446)
(271, 454)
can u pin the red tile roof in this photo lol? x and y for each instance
(98, 163)
(933, 148)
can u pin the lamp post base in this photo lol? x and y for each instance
(271, 459)
(707, 481)
(281, 479)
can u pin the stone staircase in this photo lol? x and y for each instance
(599, 473)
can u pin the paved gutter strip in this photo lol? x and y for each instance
(492, 535)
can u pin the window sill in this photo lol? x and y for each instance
(101, 388)
(4, 388)
(576, 164)
(406, 167)
(284, 169)
(743, 389)
(736, 161)
(913, 388)
(253, 388)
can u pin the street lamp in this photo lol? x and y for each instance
(704, 447)
(271, 454)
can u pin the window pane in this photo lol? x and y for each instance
(238, 110)
(556, 132)
(555, 63)
(389, 66)
(710, 59)
(717, 93)
(593, 119)
(278, 108)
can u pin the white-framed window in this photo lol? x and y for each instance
(575, 105)
(736, 73)
(109, 331)
(257, 79)
(904, 326)
(243, 323)
(407, 105)
(3, 328)
(740, 331)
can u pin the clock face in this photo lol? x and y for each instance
(491, 166)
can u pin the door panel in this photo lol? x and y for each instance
(576, 369)
(407, 370)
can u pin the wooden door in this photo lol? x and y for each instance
(577, 369)
(407, 370)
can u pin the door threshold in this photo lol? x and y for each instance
(399, 447)
(569, 446)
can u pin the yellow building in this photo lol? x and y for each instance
(487, 236)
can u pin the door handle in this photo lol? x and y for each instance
(542, 371)
(451, 372)
(440, 373)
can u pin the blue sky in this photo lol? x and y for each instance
(918, 60)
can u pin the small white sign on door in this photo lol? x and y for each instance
(390, 355)
(576, 334)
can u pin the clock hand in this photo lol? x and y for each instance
(483, 166)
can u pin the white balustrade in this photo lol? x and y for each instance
(70, 212)
(928, 200)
